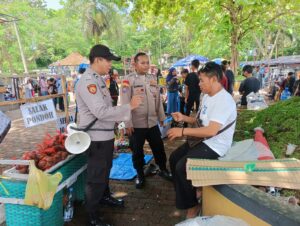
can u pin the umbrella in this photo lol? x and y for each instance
(218, 60)
(187, 60)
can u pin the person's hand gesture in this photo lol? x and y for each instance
(174, 133)
(177, 116)
(135, 101)
(129, 131)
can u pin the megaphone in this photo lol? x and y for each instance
(77, 141)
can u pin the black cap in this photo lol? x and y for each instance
(102, 51)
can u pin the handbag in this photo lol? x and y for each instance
(194, 141)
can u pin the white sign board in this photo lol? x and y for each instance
(61, 124)
(38, 113)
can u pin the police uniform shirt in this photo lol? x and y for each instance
(151, 109)
(94, 101)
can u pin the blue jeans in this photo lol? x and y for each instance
(172, 102)
(44, 93)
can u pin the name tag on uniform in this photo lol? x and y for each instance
(153, 83)
(139, 90)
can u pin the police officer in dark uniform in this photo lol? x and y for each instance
(97, 113)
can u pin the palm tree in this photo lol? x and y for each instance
(97, 16)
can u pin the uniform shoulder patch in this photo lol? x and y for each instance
(92, 88)
(125, 83)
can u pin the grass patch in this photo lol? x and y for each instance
(281, 123)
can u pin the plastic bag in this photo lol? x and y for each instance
(41, 187)
(256, 101)
(213, 221)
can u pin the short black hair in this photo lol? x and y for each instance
(223, 66)
(212, 69)
(184, 71)
(224, 62)
(51, 79)
(290, 73)
(248, 68)
(195, 63)
(136, 57)
(81, 70)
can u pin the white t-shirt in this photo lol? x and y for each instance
(220, 108)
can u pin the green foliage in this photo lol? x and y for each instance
(176, 28)
(281, 124)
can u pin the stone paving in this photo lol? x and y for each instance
(153, 205)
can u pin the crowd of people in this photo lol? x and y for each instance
(209, 132)
(276, 81)
(201, 101)
(141, 108)
(183, 96)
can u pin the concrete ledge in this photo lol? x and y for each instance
(250, 204)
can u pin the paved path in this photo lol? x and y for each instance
(154, 205)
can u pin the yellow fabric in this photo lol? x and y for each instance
(41, 187)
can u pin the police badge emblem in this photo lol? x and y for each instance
(92, 88)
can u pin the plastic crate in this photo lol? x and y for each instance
(79, 187)
(17, 214)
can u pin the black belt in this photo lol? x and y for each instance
(88, 127)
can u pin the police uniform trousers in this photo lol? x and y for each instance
(153, 136)
(185, 192)
(190, 103)
(99, 163)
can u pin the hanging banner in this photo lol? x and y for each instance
(38, 113)
(61, 123)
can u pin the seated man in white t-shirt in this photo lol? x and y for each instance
(218, 115)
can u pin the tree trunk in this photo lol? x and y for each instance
(234, 51)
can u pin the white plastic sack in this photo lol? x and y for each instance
(256, 101)
(217, 220)
(241, 151)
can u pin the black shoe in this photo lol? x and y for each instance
(139, 181)
(111, 201)
(95, 221)
(165, 174)
(150, 169)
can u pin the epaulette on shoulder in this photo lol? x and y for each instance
(87, 76)
(131, 75)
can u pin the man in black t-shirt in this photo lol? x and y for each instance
(192, 88)
(250, 84)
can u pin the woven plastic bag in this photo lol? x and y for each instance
(217, 220)
(41, 187)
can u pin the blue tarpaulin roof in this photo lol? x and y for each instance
(187, 60)
(218, 60)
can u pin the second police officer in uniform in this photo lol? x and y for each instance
(97, 114)
(143, 124)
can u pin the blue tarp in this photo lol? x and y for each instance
(122, 168)
(187, 60)
(218, 60)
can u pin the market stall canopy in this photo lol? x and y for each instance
(218, 60)
(74, 59)
(280, 60)
(187, 60)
